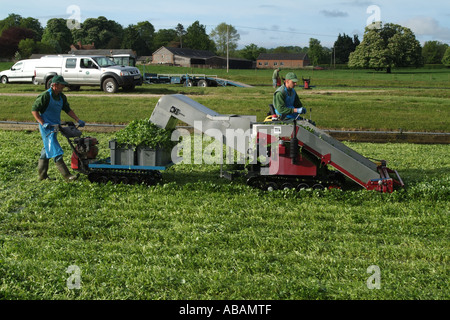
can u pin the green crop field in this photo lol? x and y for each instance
(200, 237)
(196, 236)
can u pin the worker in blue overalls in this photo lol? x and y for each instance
(286, 102)
(47, 111)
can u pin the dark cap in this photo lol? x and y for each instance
(60, 80)
(292, 76)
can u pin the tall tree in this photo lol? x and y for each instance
(165, 37)
(315, 52)
(12, 20)
(343, 46)
(251, 52)
(29, 46)
(180, 33)
(146, 33)
(446, 58)
(10, 39)
(386, 47)
(131, 38)
(433, 51)
(33, 24)
(100, 31)
(197, 38)
(225, 37)
(139, 38)
(15, 20)
(58, 35)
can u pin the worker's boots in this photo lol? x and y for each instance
(43, 169)
(64, 171)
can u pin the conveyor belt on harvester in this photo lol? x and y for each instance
(355, 166)
(332, 152)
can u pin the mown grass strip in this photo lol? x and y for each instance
(410, 110)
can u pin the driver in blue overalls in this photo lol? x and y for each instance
(286, 102)
(47, 111)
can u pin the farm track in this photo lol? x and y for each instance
(150, 95)
(144, 95)
(349, 90)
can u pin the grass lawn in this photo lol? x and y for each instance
(331, 108)
(410, 99)
(200, 237)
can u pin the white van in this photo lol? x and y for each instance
(22, 71)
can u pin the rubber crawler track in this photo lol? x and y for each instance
(271, 183)
(132, 177)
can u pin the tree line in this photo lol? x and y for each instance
(26, 36)
(383, 47)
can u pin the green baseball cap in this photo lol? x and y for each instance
(60, 80)
(291, 76)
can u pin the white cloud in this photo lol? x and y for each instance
(427, 26)
(334, 13)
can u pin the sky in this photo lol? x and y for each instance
(267, 24)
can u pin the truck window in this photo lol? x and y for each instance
(71, 63)
(104, 62)
(86, 63)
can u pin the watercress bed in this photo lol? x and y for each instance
(196, 236)
(142, 132)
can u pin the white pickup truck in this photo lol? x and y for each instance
(87, 71)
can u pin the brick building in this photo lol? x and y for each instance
(282, 60)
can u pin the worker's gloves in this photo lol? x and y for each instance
(301, 110)
(46, 126)
(81, 123)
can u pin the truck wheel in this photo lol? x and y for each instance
(188, 83)
(203, 83)
(4, 80)
(35, 82)
(48, 83)
(110, 85)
